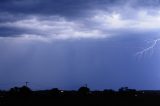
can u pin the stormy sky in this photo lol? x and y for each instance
(69, 43)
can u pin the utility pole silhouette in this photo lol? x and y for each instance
(26, 83)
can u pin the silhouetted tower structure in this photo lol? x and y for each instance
(26, 83)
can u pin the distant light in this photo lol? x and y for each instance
(62, 91)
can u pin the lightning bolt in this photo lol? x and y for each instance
(149, 49)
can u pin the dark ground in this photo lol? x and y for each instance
(83, 97)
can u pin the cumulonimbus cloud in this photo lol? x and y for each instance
(101, 21)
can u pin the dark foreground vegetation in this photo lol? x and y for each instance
(24, 96)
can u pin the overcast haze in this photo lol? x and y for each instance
(69, 43)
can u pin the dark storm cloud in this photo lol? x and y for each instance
(7, 32)
(17, 32)
(48, 7)
(68, 8)
(74, 17)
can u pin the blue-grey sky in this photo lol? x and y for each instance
(69, 43)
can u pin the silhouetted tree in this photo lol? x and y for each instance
(25, 89)
(109, 92)
(125, 91)
(14, 91)
(55, 92)
(84, 90)
(22, 91)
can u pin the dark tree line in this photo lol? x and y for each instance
(83, 96)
